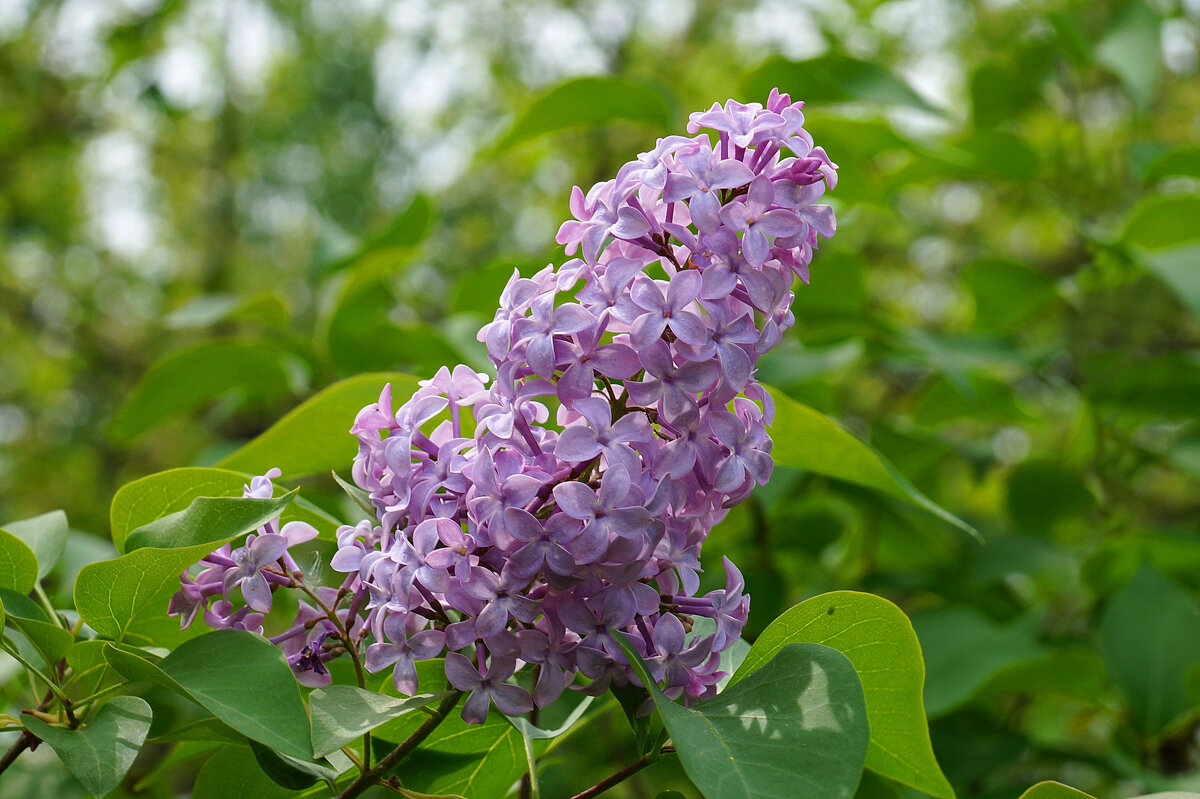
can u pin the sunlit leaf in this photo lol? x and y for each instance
(18, 564)
(46, 536)
(396, 241)
(342, 713)
(590, 101)
(315, 437)
(807, 439)
(1131, 50)
(126, 598)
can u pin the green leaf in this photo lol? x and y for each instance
(315, 437)
(1158, 222)
(1005, 292)
(1131, 50)
(46, 536)
(291, 772)
(797, 726)
(207, 310)
(1113, 563)
(18, 564)
(832, 78)
(240, 678)
(342, 713)
(233, 773)
(1043, 493)
(807, 439)
(208, 519)
(50, 640)
(126, 598)
(1177, 162)
(963, 650)
(1054, 790)
(101, 752)
(880, 642)
(590, 101)
(142, 501)
(395, 241)
(363, 337)
(1179, 268)
(189, 378)
(481, 764)
(1149, 638)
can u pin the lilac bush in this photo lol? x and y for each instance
(522, 521)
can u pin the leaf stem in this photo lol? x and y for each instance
(385, 764)
(45, 600)
(34, 670)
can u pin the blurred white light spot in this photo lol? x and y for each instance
(1010, 445)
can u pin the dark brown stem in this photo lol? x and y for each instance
(619, 777)
(27, 740)
(385, 764)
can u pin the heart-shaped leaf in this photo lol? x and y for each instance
(239, 677)
(879, 640)
(46, 536)
(125, 598)
(101, 752)
(18, 564)
(315, 437)
(797, 726)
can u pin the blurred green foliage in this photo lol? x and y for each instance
(210, 211)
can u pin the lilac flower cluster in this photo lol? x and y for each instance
(504, 540)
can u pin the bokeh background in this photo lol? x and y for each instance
(211, 209)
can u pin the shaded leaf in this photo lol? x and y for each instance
(1149, 638)
(101, 752)
(963, 650)
(880, 642)
(51, 641)
(797, 726)
(403, 233)
(233, 773)
(188, 379)
(239, 677)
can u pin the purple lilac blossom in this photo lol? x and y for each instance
(564, 534)
(524, 543)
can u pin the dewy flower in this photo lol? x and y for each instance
(505, 540)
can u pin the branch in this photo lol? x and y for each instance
(385, 764)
